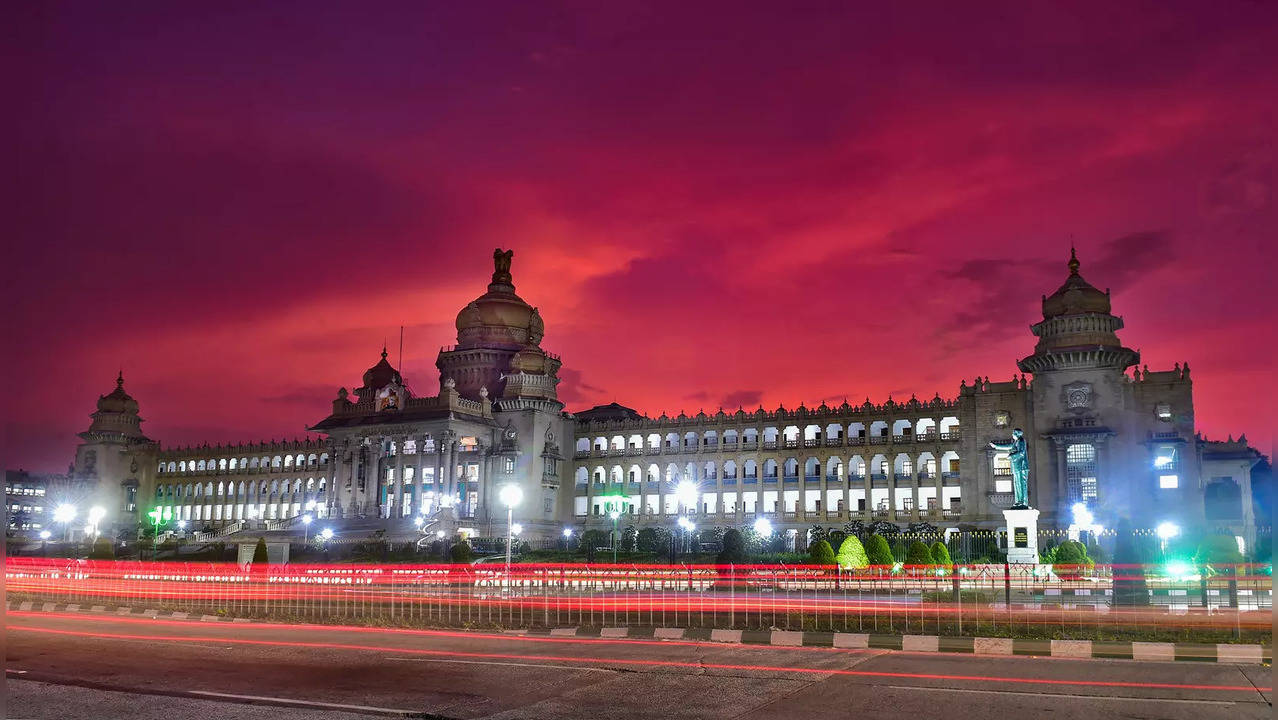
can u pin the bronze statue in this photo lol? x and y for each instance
(1020, 468)
(501, 266)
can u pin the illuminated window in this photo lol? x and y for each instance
(1165, 458)
(1080, 472)
(1168, 482)
(1003, 485)
(509, 464)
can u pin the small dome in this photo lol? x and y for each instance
(382, 374)
(1076, 296)
(118, 401)
(531, 360)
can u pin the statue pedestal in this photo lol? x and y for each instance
(1022, 535)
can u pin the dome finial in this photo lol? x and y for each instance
(383, 349)
(119, 379)
(1073, 261)
(501, 267)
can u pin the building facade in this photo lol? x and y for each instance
(1101, 430)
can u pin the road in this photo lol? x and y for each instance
(102, 666)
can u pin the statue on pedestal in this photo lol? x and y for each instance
(1020, 468)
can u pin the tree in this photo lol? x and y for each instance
(1217, 553)
(816, 533)
(878, 552)
(733, 548)
(852, 554)
(821, 553)
(259, 552)
(854, 527)
(836, 538)
(103, 550)
(1129, 573)
(653, 540)
(919, 555)
(885, 528)
(628, 539)
(461, 552)
(941, 555)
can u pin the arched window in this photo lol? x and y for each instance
(1080, 472)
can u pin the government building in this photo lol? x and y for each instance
(1101, 429)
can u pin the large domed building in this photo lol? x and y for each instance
(1100, 429)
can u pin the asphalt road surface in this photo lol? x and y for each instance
(102, 666)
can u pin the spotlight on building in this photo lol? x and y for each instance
(327, 533)
(567, 533)
(64, 513)
(418, 521)
(686, 494)
(516, 529)
(763, 527)
(45, 534)
(1167, 531)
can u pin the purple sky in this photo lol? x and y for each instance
(237, 203)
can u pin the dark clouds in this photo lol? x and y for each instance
(745, 204)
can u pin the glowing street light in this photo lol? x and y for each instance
(326, 534)
(686, 494)
(763, 527)
(1167, 531)
(44, 534)
(307, 519)
(510, 496)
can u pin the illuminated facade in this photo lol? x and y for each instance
(1101, 430)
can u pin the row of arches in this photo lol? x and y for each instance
(172, 491)
(811, 435)
(266, 462)
(902, 466)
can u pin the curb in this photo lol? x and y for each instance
(1234, 654)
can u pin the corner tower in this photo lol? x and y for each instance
(1078, 331)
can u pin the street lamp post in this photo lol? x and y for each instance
(510, 496)
(1167, 531)
(614, 515)
(306, 528)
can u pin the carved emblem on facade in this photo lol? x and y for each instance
(1002, 418)
(1077, 396)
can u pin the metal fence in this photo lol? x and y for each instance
(1000, 600)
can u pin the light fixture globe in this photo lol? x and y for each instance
(510, 495)
(763, 527)
(1168, 530)
(64, 513)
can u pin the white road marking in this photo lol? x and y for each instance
(1065, 695)
(307, 703)
(510, 664)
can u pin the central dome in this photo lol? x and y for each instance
(499, 316)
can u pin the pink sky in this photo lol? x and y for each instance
(719, 206)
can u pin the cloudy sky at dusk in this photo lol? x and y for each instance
(711, 205)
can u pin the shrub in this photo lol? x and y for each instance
(836, 538)
(1068, 559)
(523, 548)
(941, 555)
(461, 552)
(918, 555)
(878, 552)
(852, 554)
(628, 539)
(821, 553)
(259, 552)
(733, 552)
